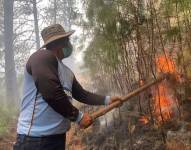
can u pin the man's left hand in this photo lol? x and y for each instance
(86, 121)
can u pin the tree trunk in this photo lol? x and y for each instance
(36, 24)
(55, 11)
(10, 73)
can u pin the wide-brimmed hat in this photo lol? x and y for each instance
(54, 32)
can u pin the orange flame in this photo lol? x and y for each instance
(143, 120)
(141, 82)
(165, 64)
(164, 100)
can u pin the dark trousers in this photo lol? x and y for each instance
(53, 142)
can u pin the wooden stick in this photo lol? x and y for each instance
(103, 111)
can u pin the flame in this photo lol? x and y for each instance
(164, 100)
(144, 120)
(165, 64)
(141, 82)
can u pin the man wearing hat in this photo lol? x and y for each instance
(49, 86)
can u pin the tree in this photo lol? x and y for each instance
(128, 35)
(35, 14)
(61, 11)
(10, 73)
(1, 34)
(26, 30)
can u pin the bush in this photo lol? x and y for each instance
(7, 117)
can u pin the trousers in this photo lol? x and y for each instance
(52, 142)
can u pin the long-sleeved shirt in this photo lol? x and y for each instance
(49, 86)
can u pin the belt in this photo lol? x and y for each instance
(23, 137)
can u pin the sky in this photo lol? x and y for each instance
(76, 60)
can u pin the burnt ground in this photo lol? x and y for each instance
(122, 131)
(124, 136)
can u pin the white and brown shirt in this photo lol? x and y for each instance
(46, 108)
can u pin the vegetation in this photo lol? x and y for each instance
(129, 35)
(124, 38)
(7, 120)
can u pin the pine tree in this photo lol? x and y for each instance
(10, 73)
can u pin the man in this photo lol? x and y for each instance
(46, 108)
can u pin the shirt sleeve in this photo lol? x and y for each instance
(43, 67)
(84, 96)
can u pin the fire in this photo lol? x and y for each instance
(165, 64)
(163, 95)
(164, 102)
(144, 120)
(141, 82)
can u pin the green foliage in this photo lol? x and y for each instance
(3, 122)
(171, 6)
(128, 32)
(8, 112)
(105, 48)
(184, 5)
(102, 52)
(173, 32)
(7, 116)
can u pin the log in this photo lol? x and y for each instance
(103, 111)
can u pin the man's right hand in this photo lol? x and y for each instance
(86, 121)
(116, 99)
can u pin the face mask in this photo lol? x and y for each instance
(67, 50)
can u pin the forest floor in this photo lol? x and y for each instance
(125, 131)
(118, 131)
(7, 140)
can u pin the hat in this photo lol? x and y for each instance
(54, 32)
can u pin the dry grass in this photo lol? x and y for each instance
(174, 145)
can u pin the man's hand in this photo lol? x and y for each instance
(115, 99)
(86, 121)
